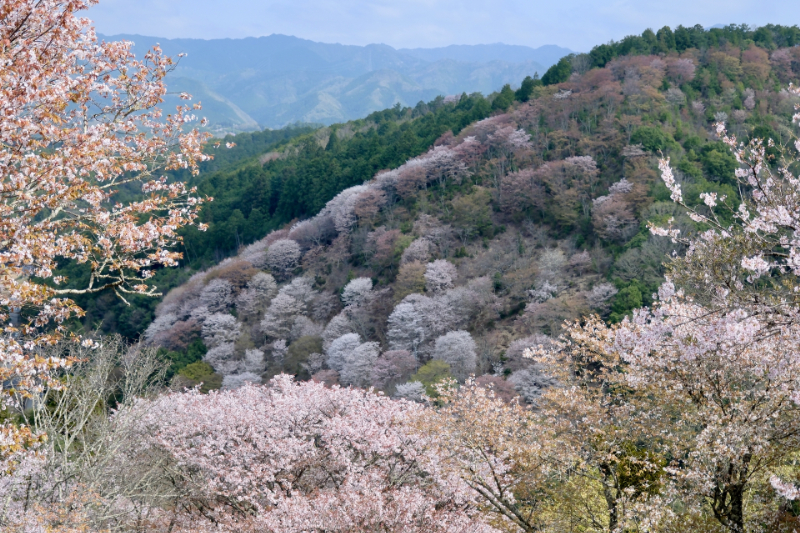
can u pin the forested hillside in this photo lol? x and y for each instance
(450, 241)
(573, 307)
(267, 192)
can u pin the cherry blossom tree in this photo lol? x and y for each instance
(681, 70)
(355, 292)
(499, 450)
(457, 349)
(606, 435)
(612, 215)
(411, 177)
(369, 203)
(514, 354)
(522, 190)
(217, 295)
(381, 247)
(531, 382)
(417, 321)
(500, 387)
(341, 209)
(279, 350)
(220, 328)
(731, 376)
(179, 336)
(470, 151)
(338, 326)
(340, 349)
(600, 295)
(256, 253)
(305, 327)
(473, 304)
(580, 261)
(392, 366)
(161, 324)
(721, 348)
(283, 256)
(254, 361)
(418, 250)
(182, 299)
(413, 391)
(358, 364)
(440, 275)
(256, 297)
(740, 264)
(234, 381)
(222, 360)
(295, 457)
(79, 121)
(316, 231)
(279, 317)
(302, 290)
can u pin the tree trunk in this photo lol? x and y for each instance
(728, 506)
(610, 496)
(736, 513)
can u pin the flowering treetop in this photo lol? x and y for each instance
(78, 120)
(298, 457)
(750, 251)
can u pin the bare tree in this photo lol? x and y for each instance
(89, 467)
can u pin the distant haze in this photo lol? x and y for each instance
(574, 24)
(247, 84)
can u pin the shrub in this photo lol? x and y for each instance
(432, 373)
(200, 372)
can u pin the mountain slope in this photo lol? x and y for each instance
(279, 80)
(399, 258)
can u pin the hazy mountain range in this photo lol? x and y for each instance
(252, 83)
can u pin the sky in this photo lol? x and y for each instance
(575, 24)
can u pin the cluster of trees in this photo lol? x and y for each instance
(255, 195)
(681, 418)
(256, 324)
(258, 197)
(665, 40)
(495, 234)
(267, 179)
(463, 258)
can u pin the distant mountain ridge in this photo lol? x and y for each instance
(545, 55)
(252, 83)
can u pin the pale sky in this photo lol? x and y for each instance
(575, 24)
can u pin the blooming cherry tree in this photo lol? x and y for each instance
(340, 350)
(298, 457)
(457, 349)
(721, 350)
(497, 448)
(78, 121)
(283, 256)
(356, 291)
(439, 275)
